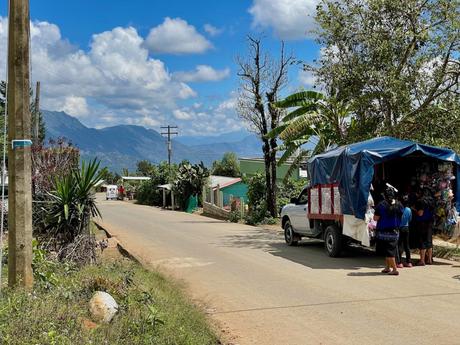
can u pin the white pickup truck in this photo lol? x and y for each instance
(300, 219)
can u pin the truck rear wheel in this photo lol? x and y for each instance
(290, 236)
(333, 241)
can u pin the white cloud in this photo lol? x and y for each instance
(176, 36)
(115, 81)
(210, 120)
(212, 30)
(182, 114)
(307, 78)
(202, 73)
(229, 104)
(289, 19)
(75, 106)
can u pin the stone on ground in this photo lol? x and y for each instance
(103, 307)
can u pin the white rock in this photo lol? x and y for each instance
(103, 307)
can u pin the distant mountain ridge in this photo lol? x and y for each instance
(231, 137)
(122, 146)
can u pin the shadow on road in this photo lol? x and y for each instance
(366, 274)
(309, 253)
(200, 222)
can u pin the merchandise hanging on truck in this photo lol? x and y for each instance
(348, 171)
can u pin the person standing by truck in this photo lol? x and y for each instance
(388, 217)
(403, 242)
(424, 225)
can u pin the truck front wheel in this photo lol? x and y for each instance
(333, 241)
(290, 236)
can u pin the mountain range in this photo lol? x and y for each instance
(123, 146)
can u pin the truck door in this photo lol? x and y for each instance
(299, 213)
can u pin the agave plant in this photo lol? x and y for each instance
(316, 119)
(72, 203)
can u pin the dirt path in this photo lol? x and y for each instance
(264, 292)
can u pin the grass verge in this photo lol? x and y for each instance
(152, 309)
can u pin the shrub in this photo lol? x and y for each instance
(256, 199)
(148, 194)
(190, 181)
(234, 216)
(290, 188)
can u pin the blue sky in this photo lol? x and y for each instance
(152, 63)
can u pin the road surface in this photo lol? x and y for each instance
(264, 292)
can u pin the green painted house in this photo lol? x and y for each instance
(250, 166)
(230, 187)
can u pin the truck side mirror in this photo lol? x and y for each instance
(294, 200)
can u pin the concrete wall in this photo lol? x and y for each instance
(214, 211)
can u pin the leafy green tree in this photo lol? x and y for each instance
(148, 193)
(190, 180)
(228, 166)
(109, 176)
(145, 168)
(290, 188)
(396, 62)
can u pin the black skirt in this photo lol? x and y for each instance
(425, 235)
(386, 248)
(387, 243)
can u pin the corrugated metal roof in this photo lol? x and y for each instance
(136, 178)
(223, 181)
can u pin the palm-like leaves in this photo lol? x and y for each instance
(314, 116)
(72, 201)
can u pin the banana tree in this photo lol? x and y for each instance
(315, 119)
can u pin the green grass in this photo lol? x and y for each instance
(153, 310)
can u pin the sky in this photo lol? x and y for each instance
(155, 62)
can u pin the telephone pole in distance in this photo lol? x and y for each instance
(37, 112)
(168, 134)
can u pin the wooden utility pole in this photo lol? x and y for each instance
(37, 113)
(19, 152)
(169, 134)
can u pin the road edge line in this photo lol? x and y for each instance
(120, 246)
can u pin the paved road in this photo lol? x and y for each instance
(267, 293)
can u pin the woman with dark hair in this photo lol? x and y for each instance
(388, 216)
(424, 225)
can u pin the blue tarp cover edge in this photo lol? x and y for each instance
(352, 167)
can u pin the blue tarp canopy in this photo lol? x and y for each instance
(352, 167)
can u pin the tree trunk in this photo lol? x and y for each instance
(270, 195)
